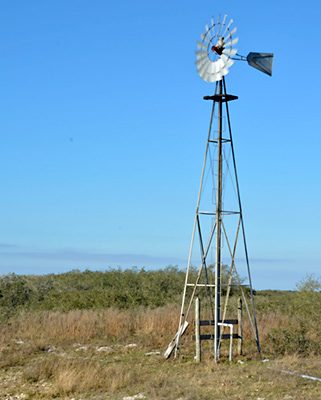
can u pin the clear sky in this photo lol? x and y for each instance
(103, 130)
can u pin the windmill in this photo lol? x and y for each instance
(215, 55)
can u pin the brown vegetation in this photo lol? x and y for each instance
(94, 354)
(57, 340)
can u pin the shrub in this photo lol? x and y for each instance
(291, 341)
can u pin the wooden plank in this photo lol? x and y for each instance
(226, 321)
(211, 337)
(197, 329)
(172, 344)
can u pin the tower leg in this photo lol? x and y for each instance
(217, 301)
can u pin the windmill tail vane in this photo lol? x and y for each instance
(261, 61)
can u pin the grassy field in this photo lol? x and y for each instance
(117, 353)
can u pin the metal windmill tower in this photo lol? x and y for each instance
(217, 219)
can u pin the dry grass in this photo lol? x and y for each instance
(72, 367)
(79, 376)
(87, 325)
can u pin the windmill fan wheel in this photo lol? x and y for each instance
(216, 50)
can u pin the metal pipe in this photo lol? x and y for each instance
(217, 313)
(231, 337)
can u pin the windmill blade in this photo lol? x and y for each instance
(224, 71)
(201, 57)
(204, 75)
(208, 33)
(213, 26)
(218, 76)
(219, 64)
(230, 34)
(231, 42)
(224, 20)
(211, 71)
(209, 68)
(204, 38)
(203, 67)
(261, 61)
(230, 52)
(228, 62)
(218, 24)
(201, 74)
(211, 78)
(200, 53)
(220, 30)
(227, 28)
(200, 62)
(224, 58)
(212, 68)
(201, 45)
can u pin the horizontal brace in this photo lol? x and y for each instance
(222, 212)
(224, 336)
(201, 284)
(226, 321)
(226, 284)
(222, 140)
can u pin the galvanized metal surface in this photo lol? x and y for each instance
(218, 260)
(261, 61)
(197, 329)
(215, 52)
(218, 229)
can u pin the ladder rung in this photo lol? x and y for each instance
(211, 337)
(212, 285)
(226, 321)
(201, 284)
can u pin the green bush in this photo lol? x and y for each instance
(304, 305)
(91, 289)
(118, 288)
(14, 293)
(307, 303)
(291, 341)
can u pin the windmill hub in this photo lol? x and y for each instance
(218, 49)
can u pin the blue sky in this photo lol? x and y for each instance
(103, 131)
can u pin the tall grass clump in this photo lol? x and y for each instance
(150, 326)
(300, 330)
